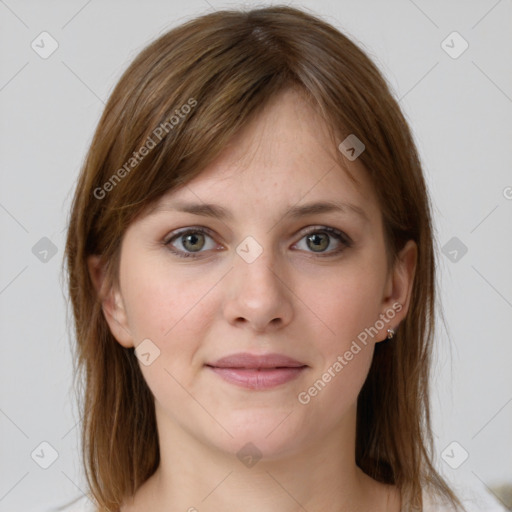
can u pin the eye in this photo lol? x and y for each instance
(320, 238)
(192, 240)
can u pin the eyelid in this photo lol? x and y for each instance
(329, 229)
(177, 232)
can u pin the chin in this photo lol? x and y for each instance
(260, 431)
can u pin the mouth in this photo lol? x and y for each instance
(257, 372)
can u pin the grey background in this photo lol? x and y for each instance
(460, 111)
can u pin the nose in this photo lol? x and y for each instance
(259, 294)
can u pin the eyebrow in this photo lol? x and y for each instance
(219, 212)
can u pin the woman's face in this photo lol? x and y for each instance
(268, 276)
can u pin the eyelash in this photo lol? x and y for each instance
(345, 241)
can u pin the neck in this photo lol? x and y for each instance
(196, 477)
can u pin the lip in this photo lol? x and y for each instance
(253, 361)
(257, 372)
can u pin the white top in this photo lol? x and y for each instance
(83, 504)
(473, 501)
(483, 502)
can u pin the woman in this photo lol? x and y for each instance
(252, 275)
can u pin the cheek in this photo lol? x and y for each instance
(160, 303)
(174, 312)
(333, 392)
(344, 359)
(346, 304)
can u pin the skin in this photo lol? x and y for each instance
(290, 300)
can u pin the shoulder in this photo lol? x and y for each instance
(81, 504)
(473, 501)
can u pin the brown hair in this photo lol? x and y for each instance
(225, 66)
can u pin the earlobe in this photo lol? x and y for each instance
(111, 302)
(399, 286)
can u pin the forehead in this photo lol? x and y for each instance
(285, 155)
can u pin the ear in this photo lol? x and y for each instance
(398, 289)
(111, 302)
